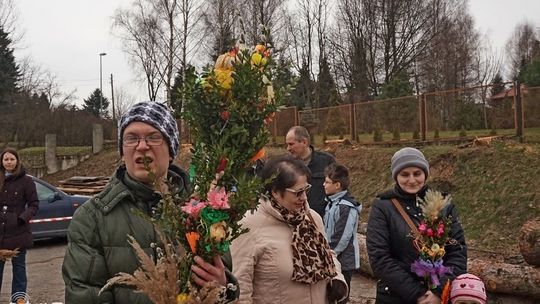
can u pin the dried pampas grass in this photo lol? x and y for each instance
(7, 254)
(433, 203)
(160, 280)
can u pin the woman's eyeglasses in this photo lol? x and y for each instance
(299, 192)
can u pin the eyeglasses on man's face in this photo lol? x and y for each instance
(299, 192)
(155, 139)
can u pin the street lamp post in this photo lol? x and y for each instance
(100, 81)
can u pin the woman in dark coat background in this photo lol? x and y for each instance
(389, 242)
(18, 204)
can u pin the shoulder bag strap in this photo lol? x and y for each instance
(405, 216)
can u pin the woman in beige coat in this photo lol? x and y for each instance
(285, 258)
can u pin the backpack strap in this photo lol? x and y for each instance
(406, 217)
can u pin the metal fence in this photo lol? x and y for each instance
(443, 114)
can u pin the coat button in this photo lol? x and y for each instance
(386, 288)
(105, 208)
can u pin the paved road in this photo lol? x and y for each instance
(43, 263)
(45, 284)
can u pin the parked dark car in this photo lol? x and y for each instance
(56, 209)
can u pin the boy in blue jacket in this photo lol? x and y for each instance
(341, 220)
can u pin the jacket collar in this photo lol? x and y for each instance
(122, 185)
(337, 195)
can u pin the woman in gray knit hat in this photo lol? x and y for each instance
(390, 246)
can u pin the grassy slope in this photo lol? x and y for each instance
(495, 188)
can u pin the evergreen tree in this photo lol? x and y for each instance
(302, 94)
(498, 85)
(531, 74)
(9, 70)
(327, 94)
(397, 87)
(284, 78)
(92, 104)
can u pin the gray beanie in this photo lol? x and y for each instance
(157, 115)
(408, 157)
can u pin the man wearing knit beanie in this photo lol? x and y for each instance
(148, 141)
(98, 246)
(155, 114)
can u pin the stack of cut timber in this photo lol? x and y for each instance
(84, 185)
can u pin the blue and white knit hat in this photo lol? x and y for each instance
(157, 115)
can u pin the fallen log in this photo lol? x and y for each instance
(365, 267)
(498, 277)
(522, 280)
(529, 242)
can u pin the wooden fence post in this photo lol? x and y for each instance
(354, 135)
(518, 110)
(422, 115)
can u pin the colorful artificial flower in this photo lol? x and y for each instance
(224, 78)
(432, 238)
(218, 231)
(182, 298)
(224, 115)
(193, 207)
(218, 199)
(213, 216)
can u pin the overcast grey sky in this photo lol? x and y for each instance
(66, 37)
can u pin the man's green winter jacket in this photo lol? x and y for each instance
(98, 247)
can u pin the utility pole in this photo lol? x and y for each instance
(100, 82)
(112, 98)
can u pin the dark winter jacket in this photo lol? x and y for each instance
(319, 161)
(98, 247)
(340, 225)
(391, 251)
(18, 204)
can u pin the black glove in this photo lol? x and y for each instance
(21, 222)
(336, 290)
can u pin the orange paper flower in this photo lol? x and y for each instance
(260, 154)
(445, 296)
(192, 238)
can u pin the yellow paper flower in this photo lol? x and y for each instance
(225, 62)
(436, 251)
(258, 60)
(182, 298)
(224, 78)
(218, 231)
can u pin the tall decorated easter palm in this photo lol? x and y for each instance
(227, 109)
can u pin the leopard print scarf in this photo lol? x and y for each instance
(312, 259)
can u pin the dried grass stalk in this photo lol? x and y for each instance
(433, 203)
(159, 281)
(6, 254)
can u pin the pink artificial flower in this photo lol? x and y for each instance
(440, 229)
(430, 232)
(193, 207)
(422, 228)
(218, 199)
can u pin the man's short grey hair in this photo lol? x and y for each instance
(300, 133)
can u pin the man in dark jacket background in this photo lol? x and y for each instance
(299, 145)
(98, 247)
